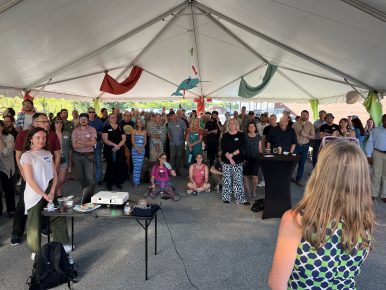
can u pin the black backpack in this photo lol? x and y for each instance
(51, 268)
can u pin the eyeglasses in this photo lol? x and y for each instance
(91, 112)
(163, 158)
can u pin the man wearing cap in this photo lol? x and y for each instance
(376, 154)
(83, 140)
(329, 127)
(318, 140)
(304, 133)
(24, 118)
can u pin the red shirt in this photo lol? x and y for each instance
(53, 141)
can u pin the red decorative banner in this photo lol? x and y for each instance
(110, 85)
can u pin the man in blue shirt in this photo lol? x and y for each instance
(95, 122)
(376, 154)
(176, 132)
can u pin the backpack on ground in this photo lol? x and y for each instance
(51, 268)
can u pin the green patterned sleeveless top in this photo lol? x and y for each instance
(328, 267)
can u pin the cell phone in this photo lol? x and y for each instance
(167, 165)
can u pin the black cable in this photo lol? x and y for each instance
(178, 254)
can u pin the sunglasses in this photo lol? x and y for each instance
(91, 112)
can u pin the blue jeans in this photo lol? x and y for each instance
(315, 152)
(301, 150)
(98, 161)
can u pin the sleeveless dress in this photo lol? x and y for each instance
(193, 137)
(199, 175)
(137, 158)
(328, 267)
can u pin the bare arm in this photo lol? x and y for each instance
(288, 240)
(17, 157)
(56, 160)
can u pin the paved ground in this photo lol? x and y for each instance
(202, 244)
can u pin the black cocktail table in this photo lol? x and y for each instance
(277, 171)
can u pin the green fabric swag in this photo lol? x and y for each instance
(374, 107)
(315, 108)
(247, 91)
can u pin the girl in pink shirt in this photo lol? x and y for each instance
(198, 176)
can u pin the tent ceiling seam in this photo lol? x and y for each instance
(107, 46)
(282, 45)
(149, 45)
(196, 44)
(228, 83)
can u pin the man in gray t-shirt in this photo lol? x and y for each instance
(176, 133)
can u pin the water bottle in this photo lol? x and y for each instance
(113, 155)
(127, 209)
(190, 157)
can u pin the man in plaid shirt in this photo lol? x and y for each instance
(24, 118)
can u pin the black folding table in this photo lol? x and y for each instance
(108, 212)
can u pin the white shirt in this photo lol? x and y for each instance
(27, 122)
(260, 128)
(42, 172)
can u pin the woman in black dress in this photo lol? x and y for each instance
(114, 138)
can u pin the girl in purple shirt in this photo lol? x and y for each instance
(160, 179)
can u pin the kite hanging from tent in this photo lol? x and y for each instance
(110, 85)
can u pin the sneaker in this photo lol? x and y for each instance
(195, 192)
(33, 256)
(68, 248)
(189, 191)
(177, 198)
(16, 239)
(261, 184)
(70, 260)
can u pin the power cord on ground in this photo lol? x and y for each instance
(178, 254)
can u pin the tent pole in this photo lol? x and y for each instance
(283, 46)
(232, 81)
(107, 46)
(165, 80)
(295, 84)
(150, 44)
(367, 9)
(317, 76)
(8, 5)
(234, 36)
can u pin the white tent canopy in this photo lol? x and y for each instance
(61, 48)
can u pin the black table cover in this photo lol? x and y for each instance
(277, 173)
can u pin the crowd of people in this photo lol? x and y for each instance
(147, 147)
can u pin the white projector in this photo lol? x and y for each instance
(110, 197)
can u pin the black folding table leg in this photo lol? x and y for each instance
(72, 233)
(48, 229)
(155, 233)
(146, 226)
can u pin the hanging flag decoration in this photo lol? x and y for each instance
(194, 70)
(27, 96)
(110, 85)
